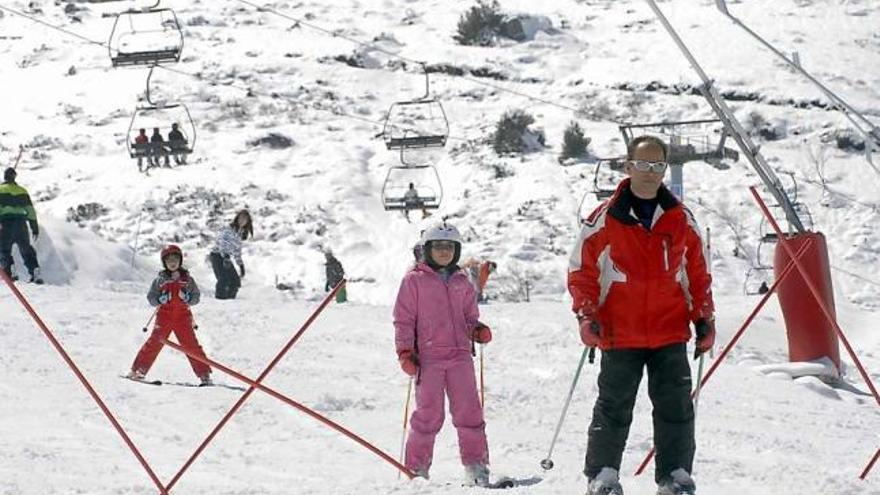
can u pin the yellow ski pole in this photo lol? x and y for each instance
(405, 418)
(482, 381)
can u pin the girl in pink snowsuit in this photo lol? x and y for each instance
(435, 322)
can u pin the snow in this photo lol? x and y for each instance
(764, 425)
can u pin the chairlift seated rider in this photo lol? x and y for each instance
(157, 143)
(141, 144)
(411, 201)
(177, 143)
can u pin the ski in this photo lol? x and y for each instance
(506, 482)
(145, 382)
(203, 385)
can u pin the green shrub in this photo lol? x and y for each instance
(480, 25)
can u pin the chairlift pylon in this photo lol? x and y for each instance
(425, 182)
(147, 36)
(160, 115)
(418, 123)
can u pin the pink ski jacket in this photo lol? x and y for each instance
(433, 317)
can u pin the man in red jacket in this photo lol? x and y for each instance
(638, 278)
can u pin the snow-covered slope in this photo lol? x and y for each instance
(603, 63)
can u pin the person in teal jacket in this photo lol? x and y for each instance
(16, 213)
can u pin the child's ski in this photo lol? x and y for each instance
(145, 382)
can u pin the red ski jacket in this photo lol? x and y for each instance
(644, 286)
(175, 311)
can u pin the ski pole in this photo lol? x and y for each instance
(151, 319)
(482, 381)
(405, 418)
(547, 463)
(18, 158)
(697, 397)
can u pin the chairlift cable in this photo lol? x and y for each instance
(198, 76)
(406, 59)
(70, 33)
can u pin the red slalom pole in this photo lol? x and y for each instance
(870, 465)
(816, 295)
(742, 329)
(295, 404)
(67, 359)
(253, 387)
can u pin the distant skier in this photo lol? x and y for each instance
(637, 278)
(173, 291)
(16, 213)
(227, 248)
(478, 272)
(436, 324)
(487, 268)
(334, 273)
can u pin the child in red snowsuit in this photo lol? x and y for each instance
(173, 291)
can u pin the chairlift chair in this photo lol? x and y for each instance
(758, 280)
(604, 191)
(684, 148)
(160, 115)
(145, 37)
(425, 181)
(418, 123)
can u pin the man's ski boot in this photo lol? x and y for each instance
(35, 276)
(476, 475)
(679, 482)
(606, 482)
(206, 381)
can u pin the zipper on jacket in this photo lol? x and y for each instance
(666, 254)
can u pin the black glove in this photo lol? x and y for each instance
(35, 230)
(241, 270)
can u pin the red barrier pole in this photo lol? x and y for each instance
(259, 379)
(816, 295)
(870, 465)
(83, 380)
(293, 403)
(742, 329)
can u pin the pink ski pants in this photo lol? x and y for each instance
(450, 374)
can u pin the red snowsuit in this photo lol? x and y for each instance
(173, 316)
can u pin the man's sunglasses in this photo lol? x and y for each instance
(646, 166)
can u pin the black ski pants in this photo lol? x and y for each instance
(15, 231)
(669, 387)
(228, 281)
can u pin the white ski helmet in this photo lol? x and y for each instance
(441, 232)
